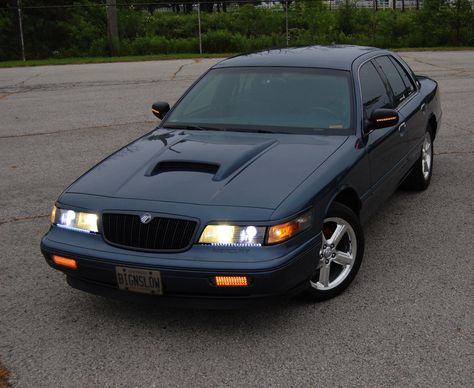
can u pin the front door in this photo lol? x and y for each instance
(386, 147)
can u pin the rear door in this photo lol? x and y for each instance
(408, 102)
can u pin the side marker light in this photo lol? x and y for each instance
(231, 281)
(65, 262)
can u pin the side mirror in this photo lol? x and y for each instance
(160, 109)
(381, 118)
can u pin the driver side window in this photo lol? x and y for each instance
(374, 92)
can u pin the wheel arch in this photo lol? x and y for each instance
(347, 196)
(433, 123)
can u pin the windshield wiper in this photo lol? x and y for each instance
(255, 130)
(194, 127)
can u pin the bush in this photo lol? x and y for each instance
(149, 45)
(222, 41)
(83, 31)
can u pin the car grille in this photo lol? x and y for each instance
(159, 234)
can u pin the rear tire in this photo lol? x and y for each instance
(420, 176)
(340, 256)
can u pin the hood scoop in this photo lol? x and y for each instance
(188, 166)
(221, 159)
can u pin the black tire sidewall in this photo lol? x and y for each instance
(415, 181)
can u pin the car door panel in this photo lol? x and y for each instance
(409, 103)
(416, 126)
(386, 147)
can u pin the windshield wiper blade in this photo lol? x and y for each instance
(194, 127)
(255, 130)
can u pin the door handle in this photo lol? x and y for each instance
(402, 128)
(423, 107)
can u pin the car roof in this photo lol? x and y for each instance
(338, 57)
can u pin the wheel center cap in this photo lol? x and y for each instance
(327, 252)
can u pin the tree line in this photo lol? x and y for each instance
(60, 28)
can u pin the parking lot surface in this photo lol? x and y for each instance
(407, 320)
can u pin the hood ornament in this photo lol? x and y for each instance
(146, 218)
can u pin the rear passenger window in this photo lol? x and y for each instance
(394, 79)
(374, 92)
(409, 85)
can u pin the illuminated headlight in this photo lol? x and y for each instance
(236, 235)
(232, 235)
(79, 221)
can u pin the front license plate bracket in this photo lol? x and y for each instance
(139, 280)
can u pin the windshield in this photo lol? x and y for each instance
(291, 100)
(274, 98)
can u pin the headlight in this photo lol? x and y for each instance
(282, 232)
(233, 235)
(70, 219)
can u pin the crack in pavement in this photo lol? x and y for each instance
(26, 218)
(74, 129)
(462, 129)
(453, 72)
(446, 68)
(454, 152)
(11, 93)
(176, 72)
(9, 90)
(18, 84)
(181, 68)
(28, 79)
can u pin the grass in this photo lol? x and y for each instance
(82, 60)
(138, 58)
(4, 374)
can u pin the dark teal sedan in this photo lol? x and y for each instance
(256, 183)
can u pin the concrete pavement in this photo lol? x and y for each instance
(407, 320)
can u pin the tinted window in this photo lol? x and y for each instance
(374, 92)
(394, 78)
(283, 99)
(409, 85)
(411, 74)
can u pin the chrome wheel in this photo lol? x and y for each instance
(426, 156)
(337, 255)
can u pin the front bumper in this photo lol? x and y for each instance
(187, 284)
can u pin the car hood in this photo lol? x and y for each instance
(209, 168)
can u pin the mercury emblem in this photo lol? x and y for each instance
(145, 218)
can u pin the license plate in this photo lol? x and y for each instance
(139, 280)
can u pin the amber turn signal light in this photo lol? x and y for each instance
(231, 281)
(282, 232)
(279, 233)
(386, 119)
(65, 262)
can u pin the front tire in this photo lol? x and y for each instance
(340, 256)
